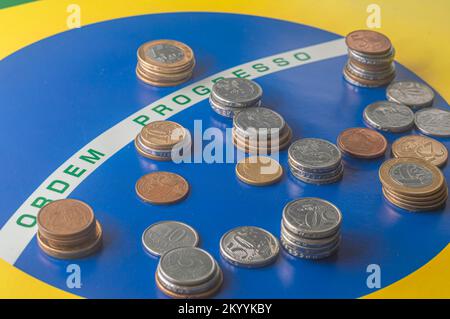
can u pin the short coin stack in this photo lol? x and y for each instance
(188, 272)
(310, 228)
(260, 130)
(415, 95)
(164, 63)
(413, 184)
(158, 140)
(370, 59)
(67, 229)
(231, 95)
(315, 161)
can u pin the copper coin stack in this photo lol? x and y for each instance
(362, 142)
(67, 229)
(370, 59)
(164, 63)
(413, 184)
(158, 140)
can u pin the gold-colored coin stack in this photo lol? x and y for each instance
(164, 63)
(413, 184)
(67, 229)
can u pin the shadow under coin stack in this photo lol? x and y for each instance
(188, 272)
(310, 228)
(370, 59)
(259, 130)
(413, 184)
(231, 95)
(164, 63)
(158, 140)
(315, 161)
(67, 229)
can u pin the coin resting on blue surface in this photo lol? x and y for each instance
(433, 121)
(415, 95)
(389, 116)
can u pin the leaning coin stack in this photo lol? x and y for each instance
(164, 63)
(315, 161)
(231, 95)
(311, 228)
(188, 272)
(67, 229)
(158, 140)
(413, 184)
(370, 59)
(260, 130)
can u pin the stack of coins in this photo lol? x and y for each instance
(412, 94)
(259, 170)
(389, 116)
(164, 63)
(231, 95)
(188, 272)
(370, 59)
(249, 246)
(158, 140)
(260, 130)
(413, 184)
(67, 229)
(310, 228)
(362, 143)
(315, 161)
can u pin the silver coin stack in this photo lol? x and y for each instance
(260, 130)
(188, 272)
(315, 161)
(231, 95)
(415, 95)
(311, 228)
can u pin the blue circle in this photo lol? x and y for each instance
(60, 93)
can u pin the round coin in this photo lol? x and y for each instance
(249, 246)
(421, 147)
(162, 188)
(259, 170)
(237, 92)
(162, 134)
(362, 143)
(165, 53)
(413, 94)
(314, 154)
(433, 121)
(368, 42)
(258, 121)
(163, 236)
(389, 116)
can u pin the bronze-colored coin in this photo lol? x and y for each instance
(368, 42)
(144, 79)
(362, 143)
(262, 141)
(381, 68)
(368, 83)
(411, 176)
(253, 149)
(166, 54)
(146, 154)
(421, 147)
(419, 199)
(162, 135)
(429, 203)
(259, 170)
(413, 207)
(162, 188)
(65, 218)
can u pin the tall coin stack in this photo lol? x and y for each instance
(370, 59)
(158, 140)
(315, 161)
(67, 229)
(413, 184)
(260, 130)
(310, 228)
(164, 63)
(231, 95)
(188, 272)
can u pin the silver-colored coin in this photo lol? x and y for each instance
(311, 250)
(372, 59)
(258, 120)
(237, 92)
(165, 53)
(314, 154)
(411, 175)
(433, 121)
(369, 75)
(187, 266)
(161, 237)
(302, 254)
(227, 111)
(389, 116)
(312, 218)
(317, 181)
(413, 94)
(317, 243)
(249, 246)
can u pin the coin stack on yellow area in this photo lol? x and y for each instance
(67, 229)
(413, 184)
(370, 59)
(160, 139)
(164, 63)
(259, 130)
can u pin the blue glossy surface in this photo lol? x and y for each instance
(60, 93)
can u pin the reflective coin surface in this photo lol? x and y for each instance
(162, 134)
(433, 121)
(410, 93)
(389, 116)
(237, 91)
(421, 147)
(368, 41)
(362, 143)
(314, 153)
(259, 170)
(254, 119)
(162, 188)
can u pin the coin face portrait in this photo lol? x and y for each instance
(411, 175)
(165, 53)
